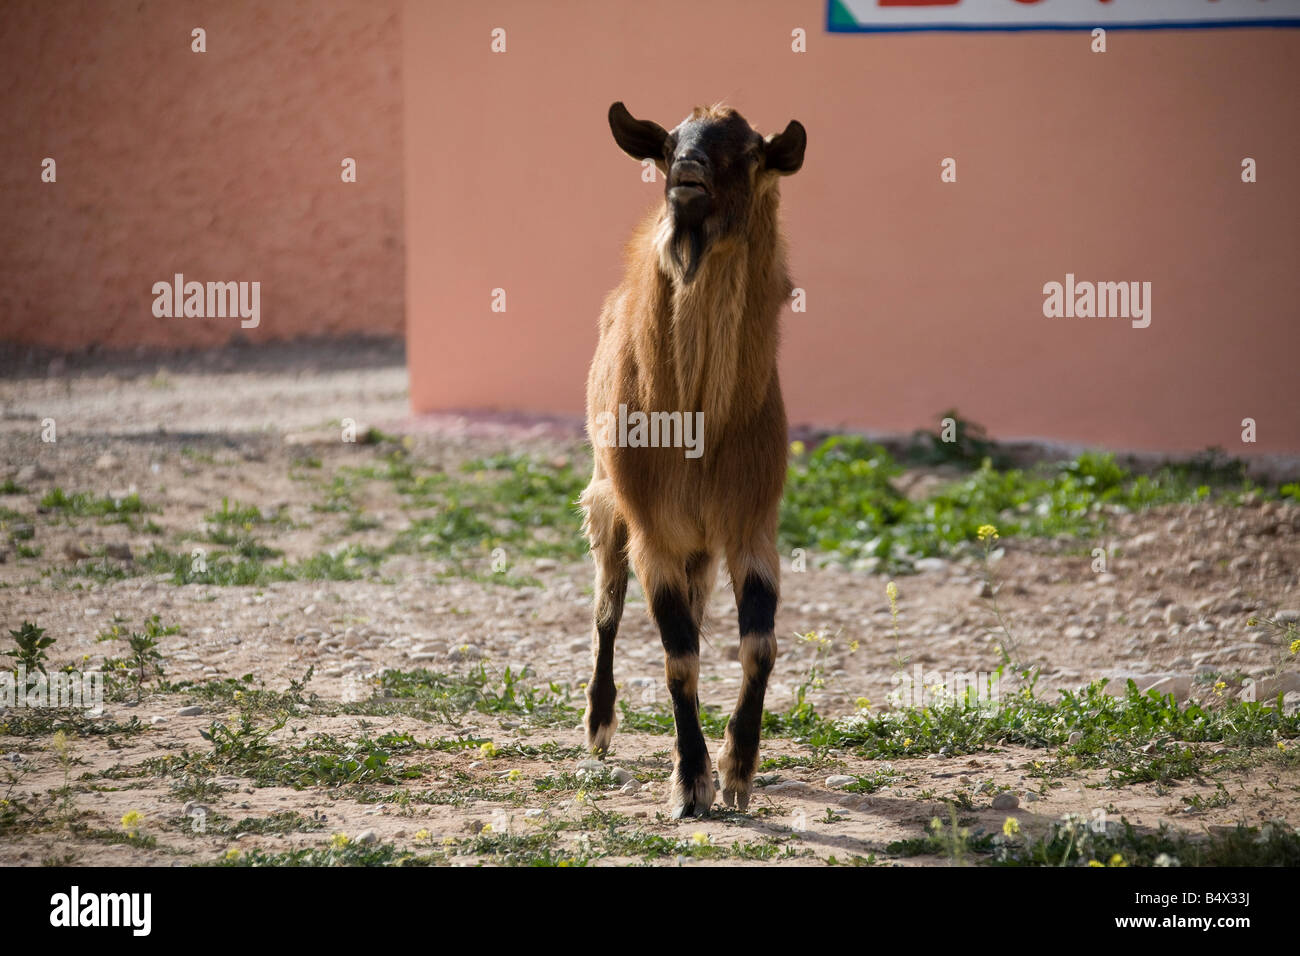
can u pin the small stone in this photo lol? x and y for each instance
(192, 711)
(1197, 567)
(620, 775)
(594, 766)
(366, 837)
(839, 781)
(122, 552)
(1005, 802)
(1177, 614)
(630, 787)
(1074, 738)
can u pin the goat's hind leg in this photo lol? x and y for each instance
(607, 534)
(755, 583)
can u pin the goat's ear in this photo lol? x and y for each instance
(640, 139)
(784, 150)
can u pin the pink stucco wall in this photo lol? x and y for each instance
(921, 295)
(222, 166)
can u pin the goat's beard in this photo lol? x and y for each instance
(686, 247)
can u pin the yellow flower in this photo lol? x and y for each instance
(700, 839)
(1218, 688)
(1281, 745)
(907, 741)
(891, 592)
(488, 750)
(232, 854)
(487, 828)
(796, 448)
(131, 820)
(448, 841)
(987, 532)
(514, 775)
(1010, 826)
(863, 703)
(1117, 860)
(340, 841)
(1095, 863)
(1295, 647)
(422, 834)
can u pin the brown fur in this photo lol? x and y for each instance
(707, 345)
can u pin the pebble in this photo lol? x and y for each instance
(192, 711)
(1005, 802)
(366, 837)
(839, 781)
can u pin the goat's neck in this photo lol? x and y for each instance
(718, 332)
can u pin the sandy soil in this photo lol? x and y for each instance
(1180, 586)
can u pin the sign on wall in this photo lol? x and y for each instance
(883, 16)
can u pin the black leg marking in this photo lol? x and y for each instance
(692, 774)
(739, 758)
(601, 719)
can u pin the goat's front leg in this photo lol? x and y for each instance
(601, 718)
(756, 599)
(692, 780)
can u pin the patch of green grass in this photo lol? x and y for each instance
(233, 569)
(85, 505)
(232, 513)
(250, 695)
(245, 749)
(840, 500)
(486, 691)
(1107, 724)
(1074, 841)
(345, 854)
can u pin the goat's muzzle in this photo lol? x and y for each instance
(688, 190)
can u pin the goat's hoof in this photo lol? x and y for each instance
(737, 777)
(692, 798)
(737, 796)
(600, 736)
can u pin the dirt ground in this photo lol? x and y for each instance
(1174, 602)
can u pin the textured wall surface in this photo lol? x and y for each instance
(224, 166)
(921, 295)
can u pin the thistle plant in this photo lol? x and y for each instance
(30, 653)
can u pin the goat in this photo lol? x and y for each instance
(693, 329)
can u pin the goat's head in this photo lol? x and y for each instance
(714, 164)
